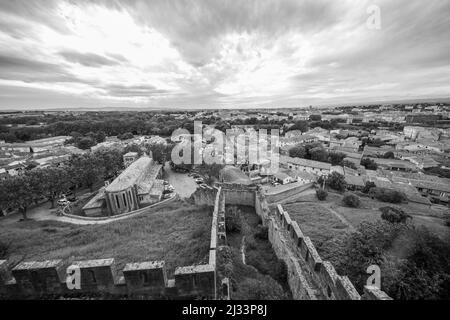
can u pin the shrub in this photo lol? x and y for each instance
(4, 248)
(387, 195)
(264, 289)
(369, 185)
(394, 215)
(321, 194)
(233, 223)
(369, 164)
(447, 221)
(351, 200)
(336, 181)
(262, 233)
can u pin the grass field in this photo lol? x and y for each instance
(320, 225)
(178, 234)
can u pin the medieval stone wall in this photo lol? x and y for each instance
(41, 279)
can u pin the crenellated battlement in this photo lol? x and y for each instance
(149, 279)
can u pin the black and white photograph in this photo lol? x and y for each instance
(222, 155)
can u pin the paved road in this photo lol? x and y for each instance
(184, 185)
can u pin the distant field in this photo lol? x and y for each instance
(178, 233)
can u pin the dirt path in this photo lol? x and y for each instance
(339, 216)
(243, 250)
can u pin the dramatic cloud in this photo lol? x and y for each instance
(220, 53)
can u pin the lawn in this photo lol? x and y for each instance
(422, 215)
(178, 234)
(322, 226)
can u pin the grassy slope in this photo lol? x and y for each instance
(325, 230)
(178, 234)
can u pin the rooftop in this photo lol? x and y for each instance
(305, 163)
(131, 175)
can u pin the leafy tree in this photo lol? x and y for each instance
(100, 136)
(336, 158)
(351, 200)
(394, 215)
(88, 168)
(85, 143)
(160, 151)
(369, 185)
(387, 195)
(300, 125)
(111, 160)
(210, 171)
(315, 117)
(319, 154)
(336, 181)
(349, 164)
(22, 192)
(369, 164)
(125, 136)
(321, 194)
(53, 181)
(389, 155)
(133, 148)
(297, 152)
(415, 264)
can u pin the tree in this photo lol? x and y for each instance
(133, 148)
(321, 194)
(210, 171)
(88, 168)
(394, 215)
(125, 136)
(369, 164)
(160, 151)
(387, 195)
(389, 155)
(336, 158)
(349, 164)
(415, 264)
(300, 125)
(336, 181)
(100, 137)
(54, 181)
(319, 154)
(369, 185)
(351, 200)
(315, 117)
(22, 192)
(111, 160)
(85, 143)
(297, 152)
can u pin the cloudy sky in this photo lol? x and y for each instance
(217, 54)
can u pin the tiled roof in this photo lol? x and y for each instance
(305, 163)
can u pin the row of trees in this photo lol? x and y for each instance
(315, 151)
(22, 191)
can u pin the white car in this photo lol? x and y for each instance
(199, 181)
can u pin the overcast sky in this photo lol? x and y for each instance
(213, 54)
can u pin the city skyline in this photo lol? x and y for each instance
(175, 55)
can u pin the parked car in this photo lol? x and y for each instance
(199, 181)
(169, 187)
(168, 195)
